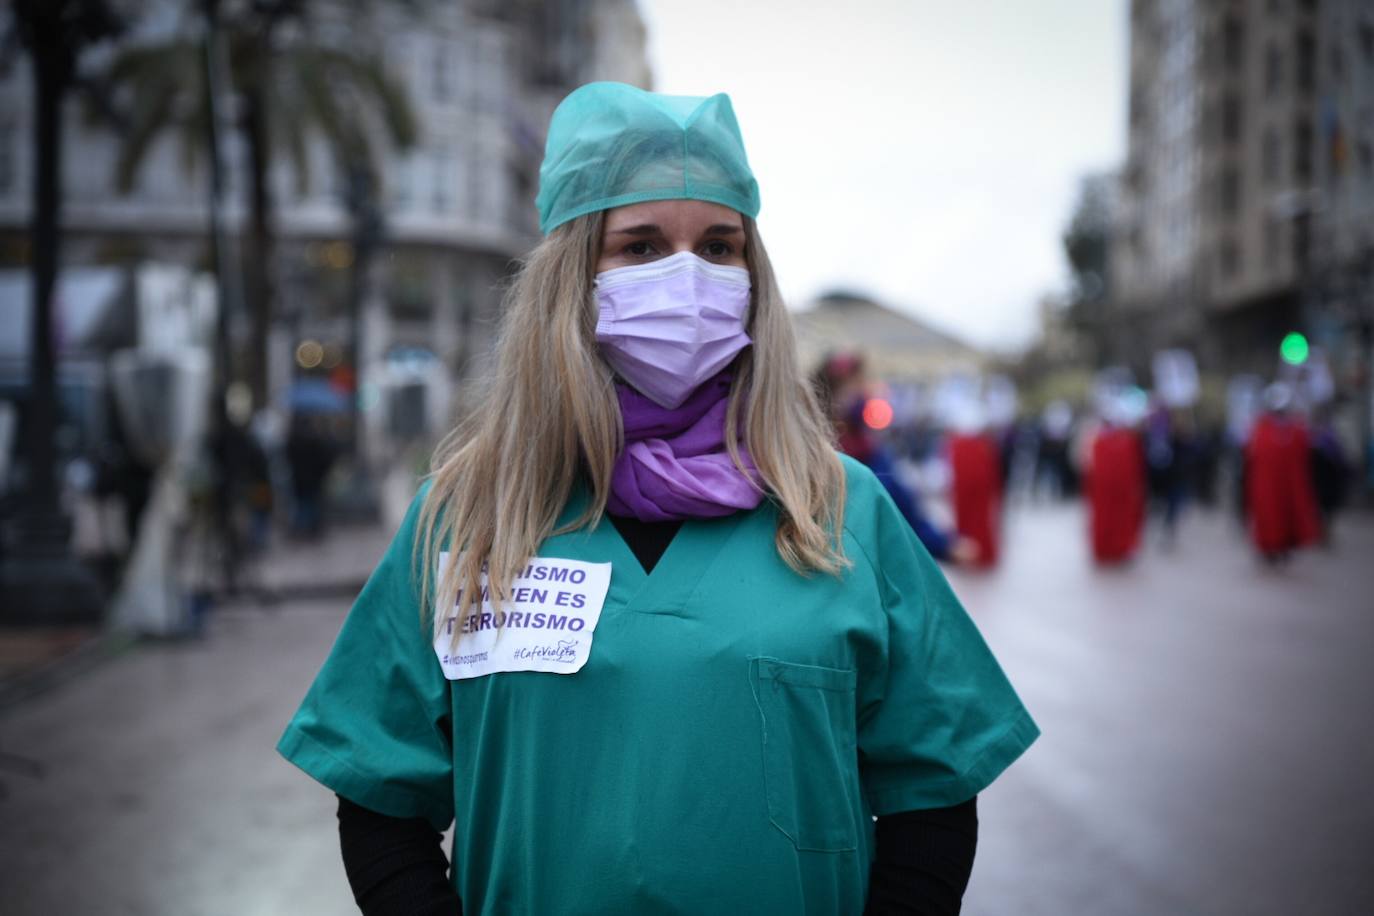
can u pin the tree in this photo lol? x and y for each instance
(41, 581)
(1087, 246)
(290, 82)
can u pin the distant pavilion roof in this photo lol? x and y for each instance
(895, 345)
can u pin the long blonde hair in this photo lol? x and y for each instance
(548, 413)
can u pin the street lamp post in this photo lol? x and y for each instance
(226, 293)
(360, 199)
(40, 580)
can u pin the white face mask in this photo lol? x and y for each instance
(669, 325)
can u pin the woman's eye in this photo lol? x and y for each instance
(718, 250)
(640, 249)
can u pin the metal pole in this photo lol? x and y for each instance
(226, 294)
(40, 580)
(361, 201)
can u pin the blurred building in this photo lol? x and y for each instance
(456, 209)
(1154, 247)
(1246, 207)
(896, 346)
(1341, 287)
(1241, 171)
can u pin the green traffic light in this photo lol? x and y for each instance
(1294, 349)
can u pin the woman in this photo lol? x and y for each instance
(676, 670)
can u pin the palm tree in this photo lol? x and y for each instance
(41, 582)
(290, 83)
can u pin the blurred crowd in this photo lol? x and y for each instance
(955, 454)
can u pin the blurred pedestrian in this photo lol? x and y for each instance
(310, 452)
(1054, 474)
(1279, 500)
(1331, 469)
(1209, 447)
(1114, 484)
(686, 652)
(246, 466)
(975, 464)
(842, 387)
(1169, 453)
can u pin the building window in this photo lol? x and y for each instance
(1306, 64)
(1302, 150)
(1230, 118)
(1302, 230)
(1228, 193)
(1273, 70)
(338, 180)
(1273, 244)
(7, 137)
(476, 177)
(1228, 259)
(442, 199)
(1271, 153)
(1233, 44)
(1337, 61)
(443, 72)
(410, 286)
(488, 60)
(401, 181)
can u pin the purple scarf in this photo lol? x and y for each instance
(674, 465)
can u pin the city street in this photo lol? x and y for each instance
(1206, 745)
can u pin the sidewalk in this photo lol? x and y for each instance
(34, 658)
(335, 567)
(338, 563)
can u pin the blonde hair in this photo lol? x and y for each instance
(548, 413)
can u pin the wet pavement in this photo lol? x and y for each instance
(1206, 745)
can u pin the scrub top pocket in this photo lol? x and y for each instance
(810, 757)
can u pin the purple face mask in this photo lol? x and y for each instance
(669, 325)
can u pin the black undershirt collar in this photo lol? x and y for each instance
(646, 540)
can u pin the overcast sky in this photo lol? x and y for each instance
(925, 151)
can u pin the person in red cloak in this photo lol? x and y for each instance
(976, 489)
(1279, 500)
(1115, 490)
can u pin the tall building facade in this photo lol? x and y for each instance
(457, 208)
(1239, 112)
(1153, 259)
(1341, 296)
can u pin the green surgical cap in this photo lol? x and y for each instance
(611, 144)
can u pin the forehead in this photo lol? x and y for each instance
(672, 214)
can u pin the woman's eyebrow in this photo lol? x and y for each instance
(654, 229)
(645, 229)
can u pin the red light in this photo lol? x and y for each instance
(877, 413)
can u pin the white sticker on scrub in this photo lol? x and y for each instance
(546, 623)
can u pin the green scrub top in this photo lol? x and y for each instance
(724, 749)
